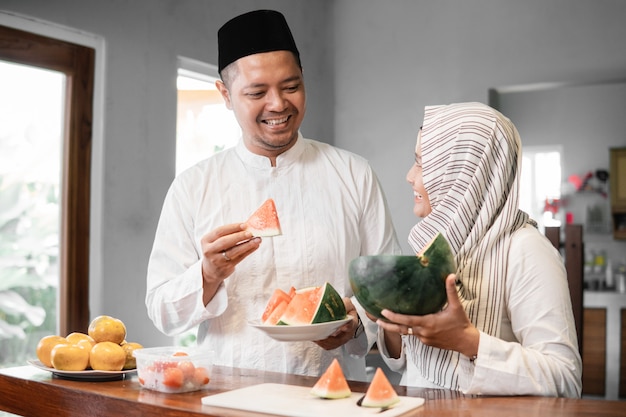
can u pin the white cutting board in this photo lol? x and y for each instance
(295, 401)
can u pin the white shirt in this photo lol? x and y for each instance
(331, 209)
(535, 353)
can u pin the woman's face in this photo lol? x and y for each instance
(421, 206)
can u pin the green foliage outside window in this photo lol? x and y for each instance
(29, 276)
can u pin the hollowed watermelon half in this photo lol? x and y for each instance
(332, 384)
(413, 285)
(314, 305)
(380, 393)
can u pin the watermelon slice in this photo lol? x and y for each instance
(264, 221)
(332, 384)
(277, 305)
(380, 393)
(314, 305)
(276, 313)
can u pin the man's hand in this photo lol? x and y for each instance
(345, 332)
(222, 249)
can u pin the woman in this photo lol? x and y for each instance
(508, 327)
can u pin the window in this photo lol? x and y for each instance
(30, 179)
(69, 70)
(540, 185)
(204, 125)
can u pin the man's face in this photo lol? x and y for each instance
(267, 96)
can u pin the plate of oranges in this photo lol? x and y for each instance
(102, 353)
(89, 374)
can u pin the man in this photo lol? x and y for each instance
(205, 270)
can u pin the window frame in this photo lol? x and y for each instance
(77, 62)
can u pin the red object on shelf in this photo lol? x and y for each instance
(552, 205)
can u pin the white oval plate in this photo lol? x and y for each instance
(309, 332)
(90, 374)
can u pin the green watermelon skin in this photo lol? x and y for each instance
(413, 285)
(330, 307)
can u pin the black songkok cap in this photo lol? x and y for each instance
(253, 33)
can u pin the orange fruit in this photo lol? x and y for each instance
(87, 344)
(69, 357)
(201, 376)
(45, 346)
(76, 338)
(107, 329)
(131, 361)
(107, 356)
(173, 377)
(188, 369)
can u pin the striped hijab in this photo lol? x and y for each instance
(471, 162)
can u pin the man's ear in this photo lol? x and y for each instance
(221, 87)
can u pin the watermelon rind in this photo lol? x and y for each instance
(413, 285)
(266, 232)
(380, 404)
(330, 394)
(329, 308)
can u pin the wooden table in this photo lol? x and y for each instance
(29, 391)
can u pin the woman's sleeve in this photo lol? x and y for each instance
(395, 364)
(545, 359)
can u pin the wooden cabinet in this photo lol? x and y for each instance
(604, 345)
(594, 352)
(617, 179)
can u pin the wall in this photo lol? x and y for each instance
(398, 56)
(143, 39)
(588, 119)
(370, 65)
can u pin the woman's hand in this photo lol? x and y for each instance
(448, 329)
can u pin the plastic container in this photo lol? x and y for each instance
(174, 369)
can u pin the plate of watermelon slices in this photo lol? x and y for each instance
(300, 333)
